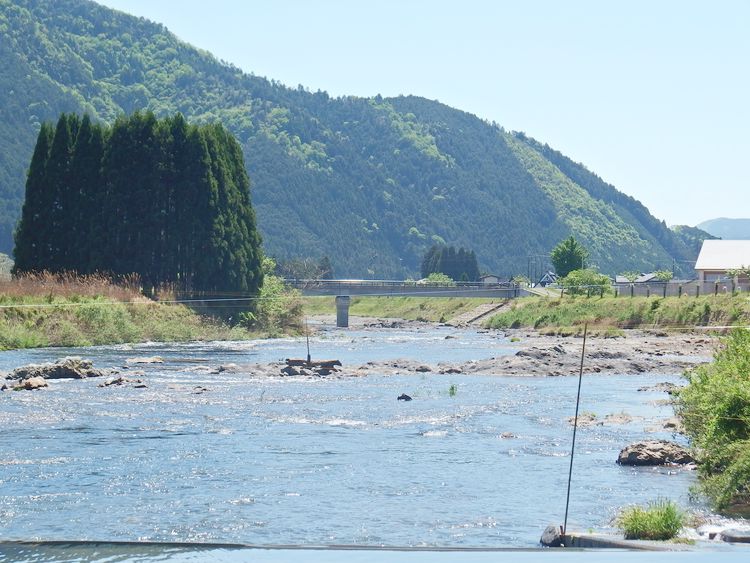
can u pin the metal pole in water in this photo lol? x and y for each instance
(307, 338)
(575, 428)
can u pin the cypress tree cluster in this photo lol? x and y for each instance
(459, 265)
(162, 199)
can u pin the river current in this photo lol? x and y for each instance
(471, 461)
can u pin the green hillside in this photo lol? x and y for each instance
(371, 183)
(692, 237)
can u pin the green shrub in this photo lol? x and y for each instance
(438, 278)
(583, 282)
(660, 520)
(715, 410)
(278, 309)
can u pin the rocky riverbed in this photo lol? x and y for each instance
(532, 354)
(536, 354)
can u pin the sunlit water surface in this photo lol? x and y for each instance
(321, 461)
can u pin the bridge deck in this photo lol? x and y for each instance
(394, 288)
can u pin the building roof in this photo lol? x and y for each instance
(645, 278)
(723, 255)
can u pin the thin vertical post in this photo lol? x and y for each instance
(307, 338)
(575, 428)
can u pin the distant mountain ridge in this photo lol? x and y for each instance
(370, 182)
(729, 229)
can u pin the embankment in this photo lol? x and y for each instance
(567, 315)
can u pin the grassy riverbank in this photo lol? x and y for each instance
(47, 310)
(433, 309)
(83, 321)
(567, 315)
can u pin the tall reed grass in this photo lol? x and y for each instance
(46, 285)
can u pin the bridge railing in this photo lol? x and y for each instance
(307, 283)
(400, 287)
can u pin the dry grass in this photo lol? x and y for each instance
(45, 285)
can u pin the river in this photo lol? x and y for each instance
(271, 460)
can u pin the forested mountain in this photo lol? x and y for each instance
(370, 182)
(730, 229)
(692, 237)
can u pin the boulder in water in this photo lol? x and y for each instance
(145, 360)
(32, 383)
(403, 397)
(654, 452)
(552, 536)
(736, 536)
(289, 371)
(66, 368)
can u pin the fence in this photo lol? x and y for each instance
(662, 289)
(679, 289)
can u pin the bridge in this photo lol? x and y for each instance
(345, 289)
(392, 288)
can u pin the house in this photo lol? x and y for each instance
(547, 279)
(642, 278)
(647, 278)
(489, 279)
(718, 257)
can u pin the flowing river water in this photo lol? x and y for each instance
(471, 461)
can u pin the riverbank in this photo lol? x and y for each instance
(90, 321)
(610, 315)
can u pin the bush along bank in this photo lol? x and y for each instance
(715, 410)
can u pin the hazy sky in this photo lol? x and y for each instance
(653, 96)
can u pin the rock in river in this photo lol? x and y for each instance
(66, 368)
(736, 536)
(32, 383)
(552, 537)
(145, 360)
(654, 452)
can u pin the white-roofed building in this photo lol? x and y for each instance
(717, 257)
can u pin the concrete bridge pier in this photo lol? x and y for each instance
(342, 310)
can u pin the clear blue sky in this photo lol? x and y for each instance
(653, 96)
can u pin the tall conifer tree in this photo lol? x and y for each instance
(29, 235)
(162, 199)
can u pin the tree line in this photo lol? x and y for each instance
(160, 198)
(459, 265)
